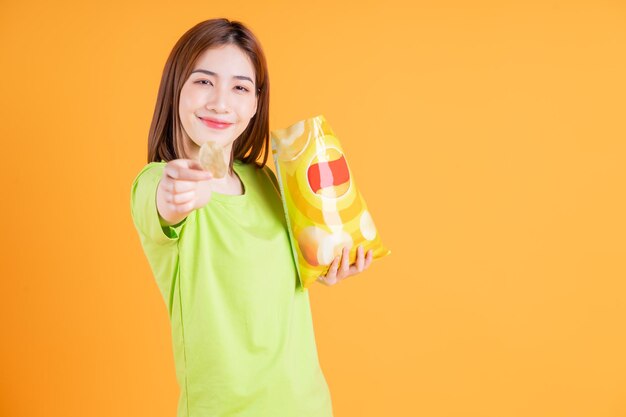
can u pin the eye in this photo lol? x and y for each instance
(242, 88)
(203, 82)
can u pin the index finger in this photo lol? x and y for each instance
(186, 169)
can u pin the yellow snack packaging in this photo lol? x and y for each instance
(323, 207)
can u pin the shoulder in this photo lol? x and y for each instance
(268, 175)
(272, 176)
(151, 170)
(263, 175)
(271, 179)
(253, 169)
(145, 182)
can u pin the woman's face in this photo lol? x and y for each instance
(222, 87)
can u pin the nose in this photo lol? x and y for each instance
(218, 100)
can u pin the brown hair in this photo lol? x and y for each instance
(165, 139)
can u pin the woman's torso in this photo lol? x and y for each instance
(242, 331)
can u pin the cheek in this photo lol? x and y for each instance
(189, 99)
(247, 109)
(183, 111)
(186, 112)
(186, 104)
(182, 104)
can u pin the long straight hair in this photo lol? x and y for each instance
(166, 136)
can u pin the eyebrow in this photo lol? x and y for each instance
(207, 72)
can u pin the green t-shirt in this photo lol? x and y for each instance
(242, 331)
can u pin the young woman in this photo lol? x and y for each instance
(242, 334)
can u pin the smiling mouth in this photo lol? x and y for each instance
(215, 125)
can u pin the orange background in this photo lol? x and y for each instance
(487, 139)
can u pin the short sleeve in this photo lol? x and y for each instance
(144, 210)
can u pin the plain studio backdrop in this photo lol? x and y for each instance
(487, 138)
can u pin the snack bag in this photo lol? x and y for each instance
(324, 209)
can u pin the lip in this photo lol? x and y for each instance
(215, 123)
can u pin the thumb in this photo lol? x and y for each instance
(186, 163)
(186, 169)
